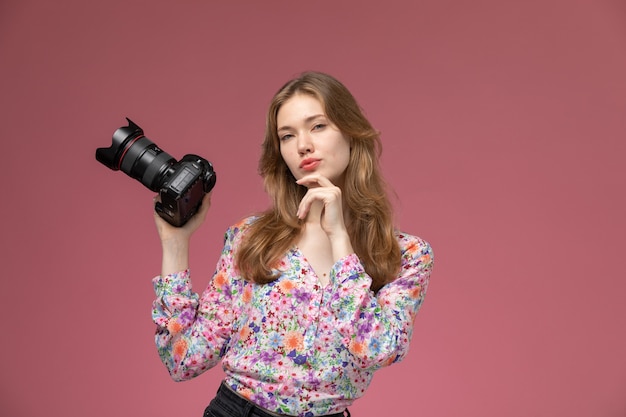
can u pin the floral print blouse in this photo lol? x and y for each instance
(292, 346)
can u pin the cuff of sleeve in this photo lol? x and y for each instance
(348, 268)
(173, 283)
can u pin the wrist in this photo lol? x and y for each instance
(175, 243)
(341, 246)
(175, 256)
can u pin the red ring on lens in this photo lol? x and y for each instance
(119, 165)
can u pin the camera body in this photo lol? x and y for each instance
(181, 184)
(183, 190)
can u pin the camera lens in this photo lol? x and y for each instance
(137, 156)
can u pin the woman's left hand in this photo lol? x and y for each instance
(323, 203)
(329, 197)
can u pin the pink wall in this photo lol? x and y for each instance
(503, 124)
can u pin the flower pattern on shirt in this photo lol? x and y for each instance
(292, 346)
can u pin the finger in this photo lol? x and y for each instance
(305, 204)
(315, 179)
(326, 195)
(204, 206)
(302, 209)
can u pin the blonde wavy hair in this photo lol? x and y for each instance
(370, 224)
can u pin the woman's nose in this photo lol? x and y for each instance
(305, 145)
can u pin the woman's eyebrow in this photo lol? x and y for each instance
(306, 121)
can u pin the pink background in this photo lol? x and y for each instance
(503, 124)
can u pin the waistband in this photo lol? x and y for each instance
(241, 402)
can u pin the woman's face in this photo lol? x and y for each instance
(309, 141)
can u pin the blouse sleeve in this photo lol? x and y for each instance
(192, 331)
(377, 328)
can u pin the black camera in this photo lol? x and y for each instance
(181, 185)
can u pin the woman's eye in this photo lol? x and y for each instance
(285, 137)
(319, 126)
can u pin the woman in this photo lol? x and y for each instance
(312, 296)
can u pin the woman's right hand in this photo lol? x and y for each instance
(175, 240)
(167, 232)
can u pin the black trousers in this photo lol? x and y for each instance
(228, 404)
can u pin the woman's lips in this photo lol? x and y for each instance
(309, 164)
